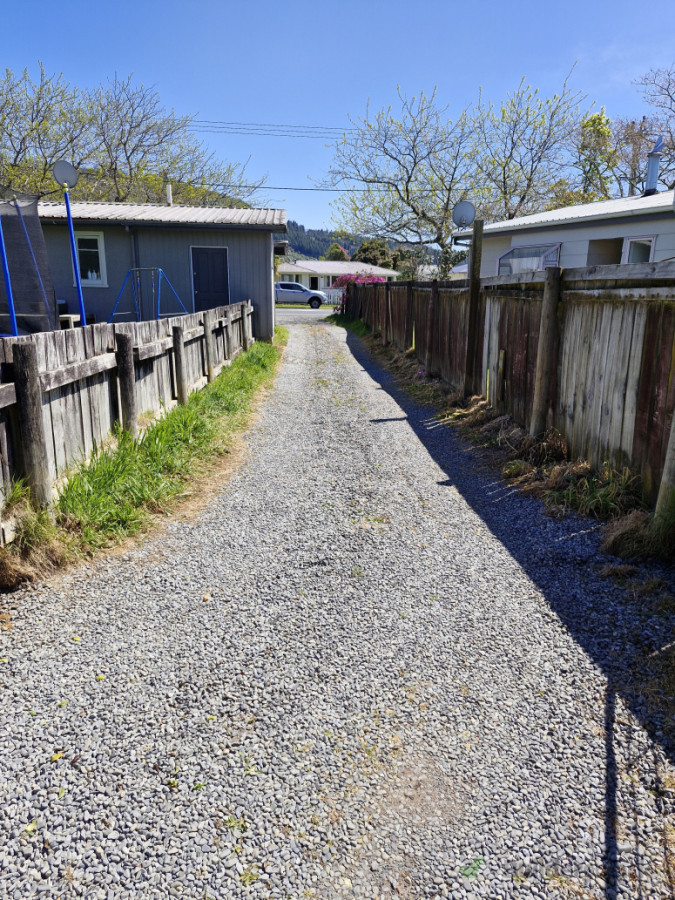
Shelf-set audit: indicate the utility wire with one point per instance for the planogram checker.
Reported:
(268, 129)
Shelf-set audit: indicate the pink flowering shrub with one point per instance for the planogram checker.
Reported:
(344, 280)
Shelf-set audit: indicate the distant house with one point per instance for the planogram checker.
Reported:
(211, 256)
(319, 274)
(606, 232)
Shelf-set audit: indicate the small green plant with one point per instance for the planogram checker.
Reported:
(19, 493)
(236, 824)
(248, 877)
(472, 870)
(357, 572)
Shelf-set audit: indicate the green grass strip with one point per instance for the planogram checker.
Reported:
(114, 495)
(356, 326)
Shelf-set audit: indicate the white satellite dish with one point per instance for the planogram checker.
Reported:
(463, 213)
(65, 173)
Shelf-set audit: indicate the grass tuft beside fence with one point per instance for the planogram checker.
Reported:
(117, 492)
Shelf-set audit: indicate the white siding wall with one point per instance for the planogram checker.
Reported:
(574, 249)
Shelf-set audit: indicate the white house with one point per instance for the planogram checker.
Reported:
(606, 232)
(319, 274)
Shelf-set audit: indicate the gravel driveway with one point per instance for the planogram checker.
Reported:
(367, 669)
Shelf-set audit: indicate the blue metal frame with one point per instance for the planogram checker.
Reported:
(76, 263)
(135, 276)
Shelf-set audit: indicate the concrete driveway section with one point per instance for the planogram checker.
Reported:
(367, 669)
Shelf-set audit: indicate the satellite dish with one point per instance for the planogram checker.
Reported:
(463, 213)
(65, 173)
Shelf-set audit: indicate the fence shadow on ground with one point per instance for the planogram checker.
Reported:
(620, 653)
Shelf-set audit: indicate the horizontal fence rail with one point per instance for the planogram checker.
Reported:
(598, 364)
(62, 392)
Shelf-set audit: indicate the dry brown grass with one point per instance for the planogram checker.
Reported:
(654, 680)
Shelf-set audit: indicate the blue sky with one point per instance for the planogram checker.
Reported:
(315, 63)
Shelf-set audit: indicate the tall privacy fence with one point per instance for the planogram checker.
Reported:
(61, 392)
(589, 351)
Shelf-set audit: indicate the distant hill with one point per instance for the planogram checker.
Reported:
(314, 242)
(311, 243)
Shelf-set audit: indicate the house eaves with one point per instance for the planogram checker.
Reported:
(148, 215)
(657, 206)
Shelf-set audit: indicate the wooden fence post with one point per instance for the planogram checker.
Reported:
(431, 309)
(545, 348)
(29, 405)
(209, 352)
(228, 334)
(386, 331)
(474, 303)
(127, 381)
(408, 339)
(246, 325)
(181, 369)
(667, 487)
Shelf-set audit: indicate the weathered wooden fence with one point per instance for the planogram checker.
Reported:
(602, 356)
(62, 392)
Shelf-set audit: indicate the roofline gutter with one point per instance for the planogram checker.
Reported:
(665, 212)
(184, 226)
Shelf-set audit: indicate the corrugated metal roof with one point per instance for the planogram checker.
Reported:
(586, 212)
(328, 267)
(154, 213)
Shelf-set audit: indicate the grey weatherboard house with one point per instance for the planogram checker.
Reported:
(211, 255)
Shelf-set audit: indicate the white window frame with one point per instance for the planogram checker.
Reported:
(627, 241)
(545, 247)
(101, 282)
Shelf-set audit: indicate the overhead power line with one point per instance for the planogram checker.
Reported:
(269, 129)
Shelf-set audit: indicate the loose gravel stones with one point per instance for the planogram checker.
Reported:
(367, 669)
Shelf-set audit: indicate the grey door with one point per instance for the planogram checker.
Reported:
(210, 277)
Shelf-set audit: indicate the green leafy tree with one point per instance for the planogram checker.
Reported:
(375, 252)
(596, 156)
(336, 253)
(126, 145)
(521, 149)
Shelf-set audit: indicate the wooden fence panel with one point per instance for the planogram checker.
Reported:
(421, 298)
(655, 392)
(597, 377)
(399, 299)
(80, 390)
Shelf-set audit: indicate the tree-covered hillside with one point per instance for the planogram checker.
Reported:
(314, 242)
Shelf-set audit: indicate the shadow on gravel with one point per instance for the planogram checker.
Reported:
(566, 569)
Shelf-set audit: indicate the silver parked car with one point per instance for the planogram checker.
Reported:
(292, 292)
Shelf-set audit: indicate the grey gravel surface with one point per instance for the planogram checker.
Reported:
(367, 669)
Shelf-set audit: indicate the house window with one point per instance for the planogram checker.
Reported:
(528, 259)
(638, 250)
(91, 257)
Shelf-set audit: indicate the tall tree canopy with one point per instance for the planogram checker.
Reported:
(404, 172)
(404, 168)
(124, 142)
(520, 149)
